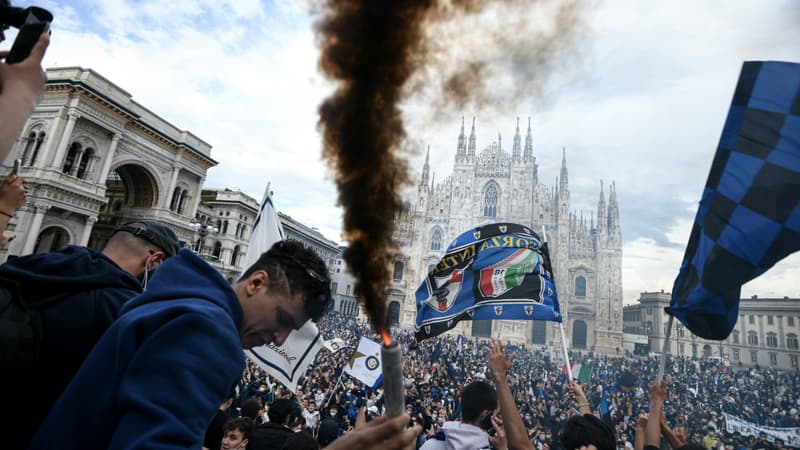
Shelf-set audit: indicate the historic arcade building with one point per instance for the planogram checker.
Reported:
(494, 185)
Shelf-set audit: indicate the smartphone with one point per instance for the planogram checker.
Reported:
(17, 164)
(37, 23)
(486, 424)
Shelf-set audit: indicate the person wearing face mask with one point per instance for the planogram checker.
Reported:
(78, 292)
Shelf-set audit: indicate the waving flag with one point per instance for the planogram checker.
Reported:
(365, 363)
(749, 214)
(288, 362)
(497, 271)
(334, 345)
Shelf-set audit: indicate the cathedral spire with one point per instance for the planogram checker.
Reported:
(515, 152)
(528, 142)
(425, 169)
(564, 186)
(461, 150)
(613, 208)
(601, 209)
(499, 142)
(471, 150)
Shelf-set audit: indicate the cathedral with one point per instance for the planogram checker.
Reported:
(494, 185)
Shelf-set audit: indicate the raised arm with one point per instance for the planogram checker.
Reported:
(516, 434)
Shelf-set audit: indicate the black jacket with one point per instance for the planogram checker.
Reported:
(269, 436)
(87, 291)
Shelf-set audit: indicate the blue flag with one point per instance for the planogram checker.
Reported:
(437, 352)
(604, 407)
(497, 271)
(749, 214)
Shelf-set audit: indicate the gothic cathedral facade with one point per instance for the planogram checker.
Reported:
(495, 186)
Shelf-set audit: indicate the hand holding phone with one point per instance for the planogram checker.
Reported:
(37, 22)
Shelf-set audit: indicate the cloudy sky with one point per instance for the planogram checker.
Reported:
(640, 99)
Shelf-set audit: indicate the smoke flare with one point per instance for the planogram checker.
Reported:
(382, 52)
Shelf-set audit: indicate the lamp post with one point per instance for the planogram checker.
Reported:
(203, 227)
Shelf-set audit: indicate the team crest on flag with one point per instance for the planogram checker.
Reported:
(497, 271)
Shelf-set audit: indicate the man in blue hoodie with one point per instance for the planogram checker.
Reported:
(81, 292)
(157, 376)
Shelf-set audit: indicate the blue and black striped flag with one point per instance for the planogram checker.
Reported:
(749, 214)
(497, 271)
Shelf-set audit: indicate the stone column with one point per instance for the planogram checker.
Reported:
(87, 230)
(63, 143)
(109, 157)
(36, 225)
(73, 171)
(89, 175)
(193, 210)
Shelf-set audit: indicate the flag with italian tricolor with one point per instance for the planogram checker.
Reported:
(580, 371)
(499, 271)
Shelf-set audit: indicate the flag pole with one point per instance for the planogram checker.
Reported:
(664, 350)
(560, 324)
(333, 390)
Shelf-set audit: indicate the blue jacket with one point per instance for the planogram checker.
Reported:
(158, 375)
(84, 291)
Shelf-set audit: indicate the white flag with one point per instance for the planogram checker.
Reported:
(288, 362)
(334, 345)
(365, 363)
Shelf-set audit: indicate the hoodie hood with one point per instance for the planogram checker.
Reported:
(187, 276)
(463, 436)
(66, 272)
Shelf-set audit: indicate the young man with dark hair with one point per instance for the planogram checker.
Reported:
(148, 380)
(478, 403)
(236, 433)
(587, 429)
(75, 293)
(275, 432)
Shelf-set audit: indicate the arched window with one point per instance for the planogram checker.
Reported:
(706, 350)
(490, 200)
(225, 227)
(244, 228)
(436, 240)
(235, 255)
(176, 197)
(580, 286)
(238, 229)
(85, 164)
(72, 156)
(772, 340)
(752, 338)
(791, 341)
(398, 271)
(217, 249)
(32, 146)
(735, 337)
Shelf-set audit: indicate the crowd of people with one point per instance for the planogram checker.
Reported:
(438, 369)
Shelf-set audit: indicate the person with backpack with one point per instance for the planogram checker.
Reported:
(55, 306)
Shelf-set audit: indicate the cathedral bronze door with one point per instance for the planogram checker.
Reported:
(579, 334)
(394, 314)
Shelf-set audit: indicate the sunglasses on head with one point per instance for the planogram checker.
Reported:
(310, 272)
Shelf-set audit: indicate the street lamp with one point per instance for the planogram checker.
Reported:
(203, 227)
